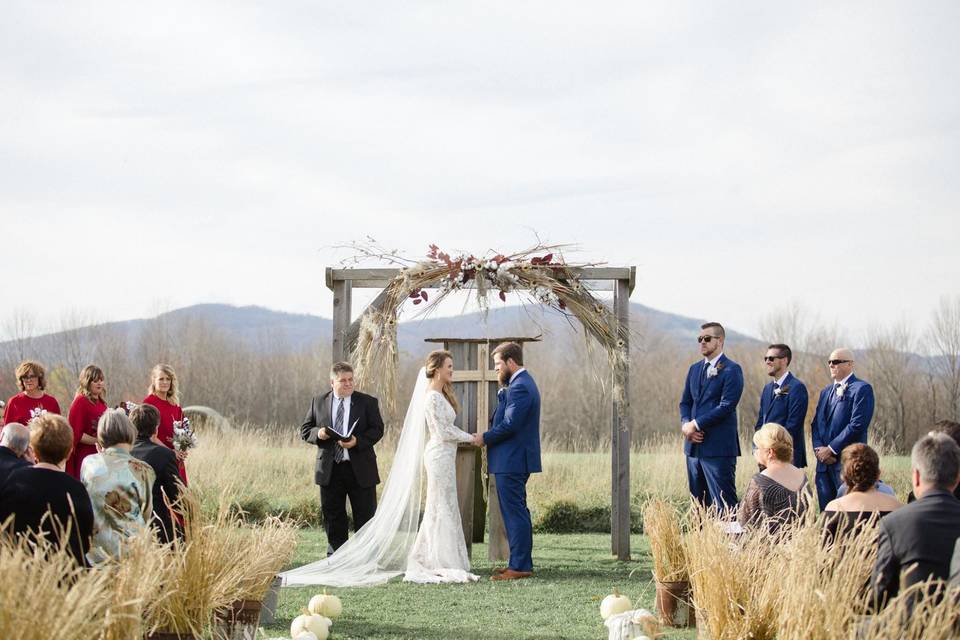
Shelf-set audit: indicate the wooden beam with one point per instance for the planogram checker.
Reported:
(620, 449)
(373, 278)
(341, 319)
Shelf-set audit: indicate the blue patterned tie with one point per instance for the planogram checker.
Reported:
(338, 427)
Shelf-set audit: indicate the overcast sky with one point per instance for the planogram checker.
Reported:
(743, 155)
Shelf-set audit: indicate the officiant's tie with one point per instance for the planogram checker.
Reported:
(338, 427)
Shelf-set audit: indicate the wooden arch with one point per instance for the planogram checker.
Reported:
(620, 280)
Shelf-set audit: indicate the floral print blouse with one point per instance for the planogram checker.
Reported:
(121, 490)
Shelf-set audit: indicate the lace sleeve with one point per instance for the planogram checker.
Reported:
(750, 508)
(440, 420)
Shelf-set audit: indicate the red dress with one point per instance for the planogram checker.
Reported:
(84, 416)
(169, 413)
(19, 407)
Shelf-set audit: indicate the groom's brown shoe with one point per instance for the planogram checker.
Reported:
(510, 574)
(499, 571)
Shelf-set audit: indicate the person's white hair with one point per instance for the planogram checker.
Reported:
(16, 437)
(115, 428)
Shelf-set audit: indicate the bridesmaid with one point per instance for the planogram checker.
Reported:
(165, 396)
(88, 405)
(32, 381)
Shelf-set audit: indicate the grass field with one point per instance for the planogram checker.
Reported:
(573, 573)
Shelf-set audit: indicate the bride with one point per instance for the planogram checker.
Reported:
(392, 543)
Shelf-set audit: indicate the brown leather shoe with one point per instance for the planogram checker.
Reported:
(499, 571)
(510, 574)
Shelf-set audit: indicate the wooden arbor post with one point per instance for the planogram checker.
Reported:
(619, 279)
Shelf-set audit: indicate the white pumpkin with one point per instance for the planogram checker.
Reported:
(326, 605)
(307, 635)
(614, 604)
(315, 624)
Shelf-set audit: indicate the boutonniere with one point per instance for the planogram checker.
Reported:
(842, 389)
(781, 391)
(714, 371)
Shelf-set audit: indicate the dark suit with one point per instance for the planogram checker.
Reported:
(356, 478)
(8, 462)
(837, 423)
(916, 542)
(789, 410)
(712, 402)
(164, 463)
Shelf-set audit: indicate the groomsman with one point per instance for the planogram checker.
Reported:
(708, 420)
(784, 400)
(842, 417)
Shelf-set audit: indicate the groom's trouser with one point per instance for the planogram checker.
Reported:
(333, 504)
(712, 481)
(828, 483)
(512, 492)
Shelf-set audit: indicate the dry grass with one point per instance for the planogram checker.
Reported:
(266, 548)
(44, 594)
(663, 526)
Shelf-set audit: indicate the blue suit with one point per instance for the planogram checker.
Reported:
(788, 410)
(513, 453)
(837, 423)
(712, 402)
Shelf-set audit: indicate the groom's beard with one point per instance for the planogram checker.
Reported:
(504, 377)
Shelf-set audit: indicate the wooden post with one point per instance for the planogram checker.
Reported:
(620, 444)
(342, 290)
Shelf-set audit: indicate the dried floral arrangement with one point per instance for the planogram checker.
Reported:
(540, 272)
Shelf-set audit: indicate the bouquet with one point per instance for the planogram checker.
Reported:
(36, 412)
(183, 436)
(127, 407)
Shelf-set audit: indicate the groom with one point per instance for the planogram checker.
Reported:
(514, 441)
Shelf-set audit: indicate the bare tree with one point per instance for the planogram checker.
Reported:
(891, 369)
(944, 339)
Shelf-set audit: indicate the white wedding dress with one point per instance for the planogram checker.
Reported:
(439, 553)
(392, 543)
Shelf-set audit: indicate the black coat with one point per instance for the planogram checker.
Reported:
(164, 463)
(8, 462)
(365, 412)
(921, 534)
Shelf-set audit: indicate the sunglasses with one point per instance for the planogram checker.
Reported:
(707, 339)
(772, 358)
(833, 363)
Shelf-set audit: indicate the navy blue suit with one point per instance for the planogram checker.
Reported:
(837, 423)
(789, 410)
(513, 453)
(712, 402)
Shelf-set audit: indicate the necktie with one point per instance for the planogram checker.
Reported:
(338, 427)
(703, 372)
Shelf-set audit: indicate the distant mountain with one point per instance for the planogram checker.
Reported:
(265, 330)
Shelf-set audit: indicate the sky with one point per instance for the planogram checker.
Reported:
(744, 156)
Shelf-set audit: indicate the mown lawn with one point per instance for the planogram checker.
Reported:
(573, 573)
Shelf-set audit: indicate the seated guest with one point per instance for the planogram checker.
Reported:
(860, 471)
(32, 492)
(14, 449)
(952, 429)
(917, 542)
(120, 487)
(163, 461)
(778, 494)
(955, 566)
(881, 486)
(31, 401)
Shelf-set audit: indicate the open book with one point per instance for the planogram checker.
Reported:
(342, 437)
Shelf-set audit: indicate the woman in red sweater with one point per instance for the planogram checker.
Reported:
(31, 400)
(165, 396)
(85, 412)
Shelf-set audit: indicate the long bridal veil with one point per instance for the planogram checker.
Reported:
(378, 551)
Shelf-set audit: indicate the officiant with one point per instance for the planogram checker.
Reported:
(344, 425)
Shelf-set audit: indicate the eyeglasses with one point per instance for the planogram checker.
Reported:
(834, 363)
(772, 358)
(707, 339)
(29, 376)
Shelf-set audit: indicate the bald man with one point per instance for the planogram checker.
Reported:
(842, 417)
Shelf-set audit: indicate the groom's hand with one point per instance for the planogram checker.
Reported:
(478, 439)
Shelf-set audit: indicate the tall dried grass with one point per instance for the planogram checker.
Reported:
(662, 522)
(44, 594)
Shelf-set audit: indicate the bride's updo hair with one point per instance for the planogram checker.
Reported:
(435, 360)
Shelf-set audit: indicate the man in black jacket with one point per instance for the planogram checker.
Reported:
(917, 541)
(14, 449)
(344, 425)
(166, 488)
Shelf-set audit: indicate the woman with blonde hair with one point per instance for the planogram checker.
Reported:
(164, 394)
(120, 487)
(779, 494)
(31, 401)
(88, 405)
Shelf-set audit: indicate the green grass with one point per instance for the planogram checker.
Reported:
(573, 573)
